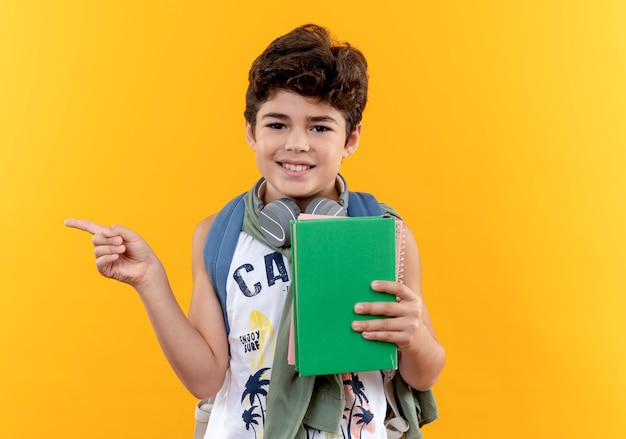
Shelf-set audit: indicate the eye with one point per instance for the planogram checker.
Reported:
(320, 128)
(276, 125)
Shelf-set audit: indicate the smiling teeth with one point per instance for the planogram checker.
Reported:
(296, 168)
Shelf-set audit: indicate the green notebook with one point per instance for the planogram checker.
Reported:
(334, 262)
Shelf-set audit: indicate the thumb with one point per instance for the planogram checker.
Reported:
(116, 230)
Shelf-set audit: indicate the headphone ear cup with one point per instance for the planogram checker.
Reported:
(275, 221)
(324, 206)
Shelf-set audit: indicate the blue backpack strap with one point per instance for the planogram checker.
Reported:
(363, 204)
(220, 245)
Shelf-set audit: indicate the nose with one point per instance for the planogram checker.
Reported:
(297, 141)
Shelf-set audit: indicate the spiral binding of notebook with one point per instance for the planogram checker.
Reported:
(400, 242)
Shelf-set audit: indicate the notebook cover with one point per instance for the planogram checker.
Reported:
(333, 263)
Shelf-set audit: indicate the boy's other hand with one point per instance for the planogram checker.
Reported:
(405, 316)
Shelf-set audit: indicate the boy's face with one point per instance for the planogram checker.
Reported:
(299, 145)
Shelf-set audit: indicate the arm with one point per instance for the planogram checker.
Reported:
(421, 355)
(196, 348)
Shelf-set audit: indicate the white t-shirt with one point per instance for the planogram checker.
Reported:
(257, 285)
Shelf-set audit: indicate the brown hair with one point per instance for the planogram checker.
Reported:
(310, 62)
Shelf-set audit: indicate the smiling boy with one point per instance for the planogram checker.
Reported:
(303, 116)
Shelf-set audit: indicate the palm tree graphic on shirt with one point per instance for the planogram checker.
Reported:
(255, 391)
(365, 416)
(249, 417)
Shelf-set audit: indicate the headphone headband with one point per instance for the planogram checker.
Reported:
(259, 191)
(275, 217)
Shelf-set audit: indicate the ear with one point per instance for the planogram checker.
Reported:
(352, 143)
(250, 136)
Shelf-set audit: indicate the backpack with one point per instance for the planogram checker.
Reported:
(218, 251)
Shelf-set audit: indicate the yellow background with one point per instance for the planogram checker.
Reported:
(496, 127)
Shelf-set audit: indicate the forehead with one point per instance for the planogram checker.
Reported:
(293, 104)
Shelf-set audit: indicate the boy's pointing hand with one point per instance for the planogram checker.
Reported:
(120, 253)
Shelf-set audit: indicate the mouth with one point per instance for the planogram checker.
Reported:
(296, 167)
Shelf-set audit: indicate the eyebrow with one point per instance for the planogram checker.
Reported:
(282, 116)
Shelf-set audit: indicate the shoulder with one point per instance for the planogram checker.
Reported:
(227, 218)
(199, 239)
(203, 227)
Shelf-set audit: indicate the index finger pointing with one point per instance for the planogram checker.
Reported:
(84, 225)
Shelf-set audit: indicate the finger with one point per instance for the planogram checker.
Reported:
(84, 225)
(126, 234)
(100, 239)
(386, 286)
(403, 308)
(377, 325)
(398, 330)
(103, 264)
(401, 291)
(104, 250)
(389, 309)
(400, 339)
